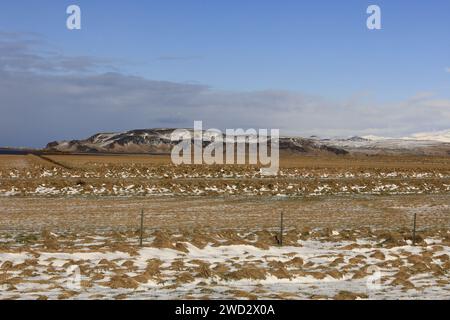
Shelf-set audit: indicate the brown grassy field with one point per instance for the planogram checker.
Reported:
(216, 213)
(380, 191)
(155, 175)
(214, 231)
(286, 161)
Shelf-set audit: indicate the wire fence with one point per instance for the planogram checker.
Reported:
(99, 215)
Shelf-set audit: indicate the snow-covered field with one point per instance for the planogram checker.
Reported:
(69, 229)
(313, 264)
(135, 180)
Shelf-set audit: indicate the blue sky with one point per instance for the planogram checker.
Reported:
(313, 48)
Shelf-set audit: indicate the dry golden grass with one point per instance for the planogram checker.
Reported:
(89, 161)
(105, 224)
(357, 162)
(215, 213)
(19, 162)
(361, 162)
(218, 211)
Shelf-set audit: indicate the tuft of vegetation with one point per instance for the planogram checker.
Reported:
(26, 238)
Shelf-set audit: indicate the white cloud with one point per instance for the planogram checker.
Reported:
(65, 105)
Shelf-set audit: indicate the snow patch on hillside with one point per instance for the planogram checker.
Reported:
(441, 136)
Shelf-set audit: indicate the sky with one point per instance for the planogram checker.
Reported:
(305, 67)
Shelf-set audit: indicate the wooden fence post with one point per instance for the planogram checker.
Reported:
(281, 228)
(142, 229)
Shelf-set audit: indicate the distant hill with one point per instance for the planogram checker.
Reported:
(159, 141)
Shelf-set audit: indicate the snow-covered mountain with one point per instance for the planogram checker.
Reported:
(442, 136)
(135, 141)
(437, 143)
(159, 141)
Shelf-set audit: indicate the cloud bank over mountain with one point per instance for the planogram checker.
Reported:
(46, 95)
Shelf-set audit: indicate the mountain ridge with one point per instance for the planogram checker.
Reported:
(159, 141)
